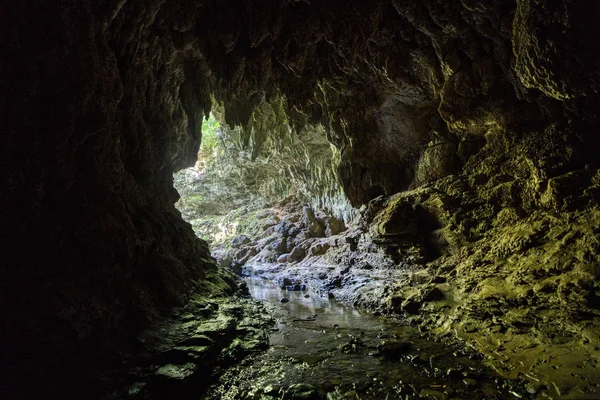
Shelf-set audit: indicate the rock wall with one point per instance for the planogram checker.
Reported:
(102, 101)
(99, 108)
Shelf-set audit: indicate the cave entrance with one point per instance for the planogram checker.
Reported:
(264, 192)
(278, 218)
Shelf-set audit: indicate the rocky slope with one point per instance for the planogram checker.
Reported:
(518, 286)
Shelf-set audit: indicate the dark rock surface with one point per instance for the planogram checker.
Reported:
(519, 290)
(487, 109)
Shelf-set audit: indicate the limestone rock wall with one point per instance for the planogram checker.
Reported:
(98, 109)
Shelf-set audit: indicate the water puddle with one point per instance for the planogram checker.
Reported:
(323, 349)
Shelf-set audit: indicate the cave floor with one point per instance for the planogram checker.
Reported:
(324, 349)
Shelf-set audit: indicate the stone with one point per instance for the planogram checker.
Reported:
(284, 258)
(284, 227)
(411, 305)
(271, 390)
(296, 288)
(470, 382)
(240, 241)
(334, 226)
(303, 391)
(283, 282)
(285, 300)
(433, 294)
(177, 372)
(534, 387)
(315, 227)
(297, 254)
(432, 394)
(319, 249)
(393, 350)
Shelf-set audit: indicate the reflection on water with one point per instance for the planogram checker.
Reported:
(303, 305)
(333, 345)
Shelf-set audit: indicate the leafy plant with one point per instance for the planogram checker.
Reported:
(211, 132)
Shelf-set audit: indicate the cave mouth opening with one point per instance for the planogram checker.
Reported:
(263, 192)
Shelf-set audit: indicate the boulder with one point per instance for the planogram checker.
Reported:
(319, 249)
(240, 241)
(284, 282)
(297, 254)
(279, 246)
(334, 226)
(314, 226)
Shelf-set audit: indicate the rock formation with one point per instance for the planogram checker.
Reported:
(488, 109)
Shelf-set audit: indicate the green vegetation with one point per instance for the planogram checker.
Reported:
(209, 149)
(242, 170)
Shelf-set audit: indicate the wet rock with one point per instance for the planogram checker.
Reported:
(284, 227)
(196, 354)
(303, 391)
(240, 241)
(284, 258)
(334, 226)
(393, 350)
(314, 226)
(454, 373)
(243, 255)
(296, 287)
(177, 372)
(224, 257)
(197, 340)
(328, 386)
(285, 300)
(330, 296)
(279, 246)
(353, 242)
(216, 327)
(534, 387)
(294, 231)
(470, 382)
(432, 394)
(353, 346)
(272, 390)
(284, 282)
(241, 347)
(297, 254)
(412, 305)
(365, 266)
(433, 294)
(270, 223)
(319, 249)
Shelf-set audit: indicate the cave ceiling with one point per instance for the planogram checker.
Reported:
(384, 77)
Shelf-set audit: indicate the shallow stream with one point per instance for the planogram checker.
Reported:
(323, 349)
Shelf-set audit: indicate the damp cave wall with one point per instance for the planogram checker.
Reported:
(102, 102)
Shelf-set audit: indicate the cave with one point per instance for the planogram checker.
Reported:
(430, 163)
